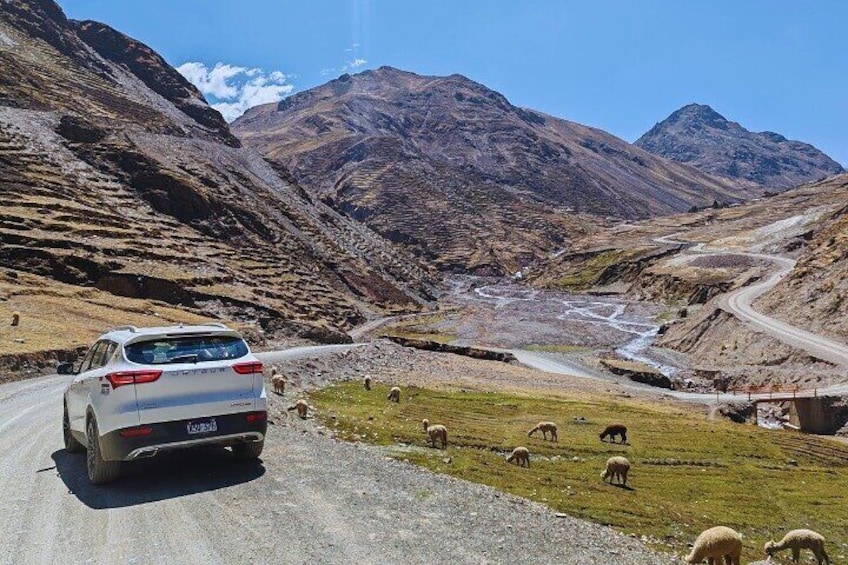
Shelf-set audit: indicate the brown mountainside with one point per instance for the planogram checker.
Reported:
(815, 294)
(699, 136)
(115, 174)
(451, 168)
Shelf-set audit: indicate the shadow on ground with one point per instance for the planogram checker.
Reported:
(170, 475)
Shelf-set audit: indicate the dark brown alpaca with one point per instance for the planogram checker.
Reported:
(615, 430)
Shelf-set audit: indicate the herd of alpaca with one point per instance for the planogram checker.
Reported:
(723, 543)
(713, 545)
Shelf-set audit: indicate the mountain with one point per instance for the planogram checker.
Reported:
(699, 136)
(117, 178)
(452, 169)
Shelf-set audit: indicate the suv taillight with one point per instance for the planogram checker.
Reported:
(248, 368)
(122, 378)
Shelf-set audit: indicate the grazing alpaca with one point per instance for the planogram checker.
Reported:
(796, 540)
(615, 430)
(279, 382)
(302, 408)
(715, 544)
(545, 427)
(521, 456)
(367, 382)
(16, 319)
(394, 394)
(436, 432)
(617, 467)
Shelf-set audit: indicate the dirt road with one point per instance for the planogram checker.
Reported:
(739, 303)
(310, 499)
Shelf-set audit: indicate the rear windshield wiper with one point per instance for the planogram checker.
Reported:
(184, 359)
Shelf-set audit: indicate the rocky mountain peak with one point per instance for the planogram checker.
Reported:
(699, 136)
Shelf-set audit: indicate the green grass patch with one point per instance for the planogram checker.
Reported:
(412, 334)
(559, 348)
(688, 473)
(586, 273)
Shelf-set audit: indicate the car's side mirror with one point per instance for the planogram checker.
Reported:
(65, 369)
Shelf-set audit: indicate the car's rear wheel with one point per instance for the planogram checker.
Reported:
(99, 470)
(71, 443)
(247, 451)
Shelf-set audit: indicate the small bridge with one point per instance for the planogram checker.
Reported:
(808, 411)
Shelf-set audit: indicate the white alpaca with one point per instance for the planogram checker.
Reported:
(394, 394)
(545, 428)
(436, 432)
(716, 544)
(796, 540)
(617, 467)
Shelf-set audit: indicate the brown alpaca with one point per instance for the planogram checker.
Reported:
(367, 382)
(394, 394)
(279, 382)
(16, 319)
(615, 430)
(302, 408)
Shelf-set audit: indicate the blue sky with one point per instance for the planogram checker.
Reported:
(777, 65)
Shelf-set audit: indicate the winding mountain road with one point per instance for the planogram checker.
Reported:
(739, 303)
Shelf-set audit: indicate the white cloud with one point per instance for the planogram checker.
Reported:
(231, 89)
(357, 63)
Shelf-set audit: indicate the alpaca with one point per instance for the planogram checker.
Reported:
(615, 430)
(16, 319)
(274, 371)
(796, 540)
(436, 432)
(302, 408)
(394, 394)
(617, 467)
(715, 544)
(545, 427)
(279, 382)
(521, 456)
(367, 382)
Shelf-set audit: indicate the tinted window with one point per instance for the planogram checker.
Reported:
(96, 351)
(189, 349)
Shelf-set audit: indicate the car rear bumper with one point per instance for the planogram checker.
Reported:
(231, 429)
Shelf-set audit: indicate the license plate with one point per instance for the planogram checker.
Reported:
(204, 427)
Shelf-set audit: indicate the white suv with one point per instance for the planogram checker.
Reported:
(140, 391)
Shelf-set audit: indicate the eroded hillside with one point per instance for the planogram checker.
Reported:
(115, 174)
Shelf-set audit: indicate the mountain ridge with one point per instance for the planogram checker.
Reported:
(698, 135)
(363, 142)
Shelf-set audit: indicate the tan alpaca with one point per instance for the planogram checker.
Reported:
(545, 428)
(521, 456)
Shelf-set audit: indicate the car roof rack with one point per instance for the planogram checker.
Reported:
(131, 329)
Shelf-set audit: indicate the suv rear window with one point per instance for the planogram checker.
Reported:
(187, 349)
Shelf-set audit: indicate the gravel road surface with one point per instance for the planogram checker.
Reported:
(310, 500)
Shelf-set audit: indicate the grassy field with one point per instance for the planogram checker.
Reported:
(688, 473)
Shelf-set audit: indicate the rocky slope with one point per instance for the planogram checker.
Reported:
(452, 169)
(699, 136)
(116, 174)
(815, 294)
